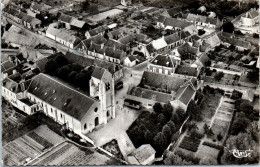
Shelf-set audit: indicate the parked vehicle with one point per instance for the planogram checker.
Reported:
(132, 104)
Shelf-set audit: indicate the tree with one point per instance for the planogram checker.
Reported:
(239, 125)
(161, 119)
(160, 141)
(174, 159)
(148, 136)
(208, 72)
(219, 137)
(253, 75)
(64, 72)
(51, 67)
(236, 95)
(196, 114)
(167, 110)
(194, 134)
(167, 131)
(228, 27)
(93, 9)
(208, 161)
(61, 60)
(85, 4)
(192, 126)
(172, 126)
(206, 128)
(218, 76)
(72, 76)
(209, 132)
(175, 118)
(157, 108)
(255, 35)
(242, 141)
(181, 113)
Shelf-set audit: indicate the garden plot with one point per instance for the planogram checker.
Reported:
(208, 151)
(189, 144)
(104, 15)
(220, 126)
(25, 148)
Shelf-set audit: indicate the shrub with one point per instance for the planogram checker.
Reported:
(213, 145)
(219, 137)
(196, 135)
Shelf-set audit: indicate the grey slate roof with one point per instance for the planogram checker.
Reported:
(61, 96)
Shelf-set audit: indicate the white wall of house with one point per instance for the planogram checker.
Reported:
(129, 63)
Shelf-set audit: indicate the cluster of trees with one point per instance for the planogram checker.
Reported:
(253, 75)
(218, 76)
(210, 90)
(157, 128)
(180, 158)
(236, 95)
(243, 141)
(72, 73)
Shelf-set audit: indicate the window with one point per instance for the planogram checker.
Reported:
(85, 126)
(51, 110)
(61, 115)
(108, 113)
(96, 109)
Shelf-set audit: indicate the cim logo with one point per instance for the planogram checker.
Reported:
(241, 153)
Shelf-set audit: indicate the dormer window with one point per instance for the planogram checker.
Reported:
(65, 104)
(96, 109)
(45, 93)
(55, 98)
(53, 91)
(155, 61)
(35, 88)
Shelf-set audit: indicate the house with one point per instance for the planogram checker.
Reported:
(203, 21)
(73, 109)
(173, 12)
(164, 64)
(187, 49)
(65, 19)
(72, 22)
(14, 93)
(39, 8)
(62, 37)
(212, 40)
(202, 9)
(240, 45)
(155, 87)
(183, 97)
(248, 95)
(171, 23)
(250, 18)
(20, 17)
(130, 61)
(143, 155)
(126, 2)
(96, 31)
(202, 60)
(177, 39)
